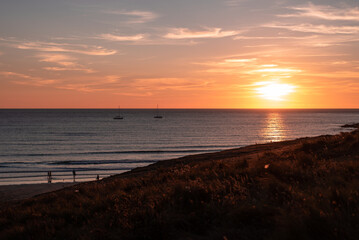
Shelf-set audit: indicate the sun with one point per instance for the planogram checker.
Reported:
(274, 91)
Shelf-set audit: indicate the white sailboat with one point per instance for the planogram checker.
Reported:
(157, 114)
(119, 114)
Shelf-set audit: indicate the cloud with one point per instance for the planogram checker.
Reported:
(339, 62)
(242, 60)
(67, 63)
(87, 70)
(325, 12)
(134, 87)
(136, 16)
(146, 40)
(160, 84)
(13, 74)
(185, 33)
(228, 65)
(120, 38)
(233, 3)
(60, 59)
(84, 84)
(135, 94)
(249, 68)
(273, 37)
(64, 47)
(23, 79)
(163, 42)
(81, 88)
(92, 84)
(276, 70)
(269, 65)
(321, 29)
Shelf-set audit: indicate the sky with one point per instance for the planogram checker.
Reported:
(179, 54)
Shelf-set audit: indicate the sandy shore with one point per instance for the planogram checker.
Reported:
(23, 191)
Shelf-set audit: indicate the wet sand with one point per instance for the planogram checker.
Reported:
(19, 192)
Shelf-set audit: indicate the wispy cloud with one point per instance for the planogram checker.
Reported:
(69, 69)
(134, 87)
(320, 29)
(14, 74)
(81, 84)
(146, 39)
(252, 68)
(67, 63)
(185, 33)
(228, 65)
(23, 79)
(276, 70)
(240, 60)
(60, 59)
(324, 12)
(121, 38)
(136, 16)
(159, 84)
(232, 3)
(276, 37)
(63, 47)
(107, 83)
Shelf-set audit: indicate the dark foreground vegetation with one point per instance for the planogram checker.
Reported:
(302, 189)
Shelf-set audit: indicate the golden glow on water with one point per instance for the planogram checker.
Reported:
(274, 128)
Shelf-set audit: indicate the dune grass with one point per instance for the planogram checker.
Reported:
(302, 189)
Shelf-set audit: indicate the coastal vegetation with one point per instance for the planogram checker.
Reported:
(301, 189)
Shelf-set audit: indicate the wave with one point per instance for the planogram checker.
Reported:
(76, 162)
(109, 152)
(95, 162)
(69, 170)
(214, 147)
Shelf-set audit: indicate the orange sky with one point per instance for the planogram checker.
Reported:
(201, 54)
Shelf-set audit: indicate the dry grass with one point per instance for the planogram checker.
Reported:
(308, 190)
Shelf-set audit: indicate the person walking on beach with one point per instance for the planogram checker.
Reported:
(98, 177)
(74, 174)
(49, 177)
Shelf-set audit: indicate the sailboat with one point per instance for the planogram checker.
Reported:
(119, 114)
(157, 114)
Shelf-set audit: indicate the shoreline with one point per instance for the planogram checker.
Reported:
(10, 193)
(18, 192)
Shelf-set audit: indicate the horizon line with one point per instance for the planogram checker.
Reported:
(181, 108)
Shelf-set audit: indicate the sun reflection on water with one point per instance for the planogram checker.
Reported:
(274, 128)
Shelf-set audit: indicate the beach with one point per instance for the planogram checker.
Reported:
(17, 192)
(24, 191)
(297, 189)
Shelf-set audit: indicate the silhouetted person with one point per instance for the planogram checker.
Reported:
(49, 177)
(74, 174)
(98, 177)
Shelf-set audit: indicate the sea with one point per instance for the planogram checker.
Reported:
(90, 143)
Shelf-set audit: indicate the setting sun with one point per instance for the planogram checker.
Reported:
(275, 91)
(140, 55)
(191, 119)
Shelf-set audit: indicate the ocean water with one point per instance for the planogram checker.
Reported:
(91, 142)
